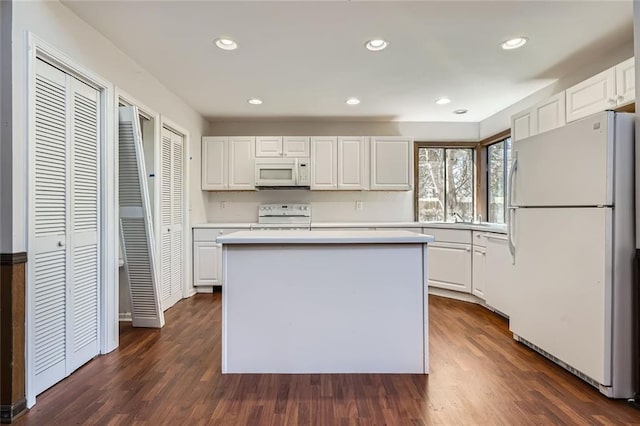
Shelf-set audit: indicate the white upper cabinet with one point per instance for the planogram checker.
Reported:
(523, 124)
(626, 81)
(391, 163)
(541, 117)
(215, 157)
(353, 163)
(592, 95)
(608, 90)
(550, 113)
(269, 146)
(242, 163)
(228, 163)
(278, 146)
(324, 161)
(296, 146)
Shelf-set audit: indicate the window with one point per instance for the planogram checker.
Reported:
(445, 184)
(498, 165)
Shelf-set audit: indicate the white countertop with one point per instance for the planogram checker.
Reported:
(326, 237)
(487, 227)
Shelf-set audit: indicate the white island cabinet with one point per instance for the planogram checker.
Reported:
(325, 302)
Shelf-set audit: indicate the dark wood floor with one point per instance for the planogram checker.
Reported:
(479, 375)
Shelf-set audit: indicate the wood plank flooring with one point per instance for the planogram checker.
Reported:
(479, 376)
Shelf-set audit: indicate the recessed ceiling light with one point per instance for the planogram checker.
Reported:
(255, 101)
(352, 101)
(226, 44)
(443, 101)
(376, 44)
(460, 111)
(514, 43)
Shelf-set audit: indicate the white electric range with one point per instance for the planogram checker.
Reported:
(283, 216)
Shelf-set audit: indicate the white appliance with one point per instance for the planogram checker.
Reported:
(282, 173)
(283, 216)
(571, 235)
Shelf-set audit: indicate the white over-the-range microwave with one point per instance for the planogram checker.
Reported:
(282, 173)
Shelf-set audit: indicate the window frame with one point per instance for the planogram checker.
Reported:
(505, 166)
(445, 145)
(483, 170)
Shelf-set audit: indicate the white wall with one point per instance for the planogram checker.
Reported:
(326, 206)
(583, 70)
(6, 159)
(62, 29)
(636, 38)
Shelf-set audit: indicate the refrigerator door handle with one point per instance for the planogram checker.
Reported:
(510, 208)
(511, 215)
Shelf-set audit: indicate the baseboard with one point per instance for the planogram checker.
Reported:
(125, 316)
(452, 294)
(8, 413)
(204, 289)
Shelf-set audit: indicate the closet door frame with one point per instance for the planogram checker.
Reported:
(187, 289)
(108, 306)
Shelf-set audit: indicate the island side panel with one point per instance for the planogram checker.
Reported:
(319, 308)
(425, 305)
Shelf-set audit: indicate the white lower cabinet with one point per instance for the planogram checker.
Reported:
(450, 266)
(206, 263)
(479, 264)
(479, 271)
(499, 272)
(449, 259)
(207, 256)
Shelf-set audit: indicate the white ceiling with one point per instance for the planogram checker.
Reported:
(303, 59)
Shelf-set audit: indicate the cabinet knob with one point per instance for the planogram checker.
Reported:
(620, 99)
(60, 243)
(612, 102)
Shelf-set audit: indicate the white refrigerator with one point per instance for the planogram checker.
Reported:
(572, 238)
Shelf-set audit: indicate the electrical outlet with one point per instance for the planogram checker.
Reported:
(223, 204)
(358, 205)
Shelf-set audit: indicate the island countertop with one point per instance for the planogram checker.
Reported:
(326, 237)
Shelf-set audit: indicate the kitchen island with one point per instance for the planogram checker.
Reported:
(325, 302)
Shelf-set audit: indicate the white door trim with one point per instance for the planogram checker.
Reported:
(187, 286)
(37, 48)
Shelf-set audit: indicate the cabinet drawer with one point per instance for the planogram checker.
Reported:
(479, 239)
(211, 234)
(461, 236)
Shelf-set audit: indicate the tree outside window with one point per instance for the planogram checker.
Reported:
(445, 184)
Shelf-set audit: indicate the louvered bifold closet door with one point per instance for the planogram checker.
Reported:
(136, 233)
(172, 217)
(84, 266)
(49, 264)
(166, 219)
(177, 262)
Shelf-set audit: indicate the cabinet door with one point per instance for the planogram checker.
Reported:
(592, 95)
(324, 162)
(269, 146)
(499, 274)
(352, 163)
(206, 263)
(449, 266)
(214, 163)
(242, 163)
(479, 272)
(626, 82)
(550, 113)
(391, 163)
(296, 146)
(523, 124)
